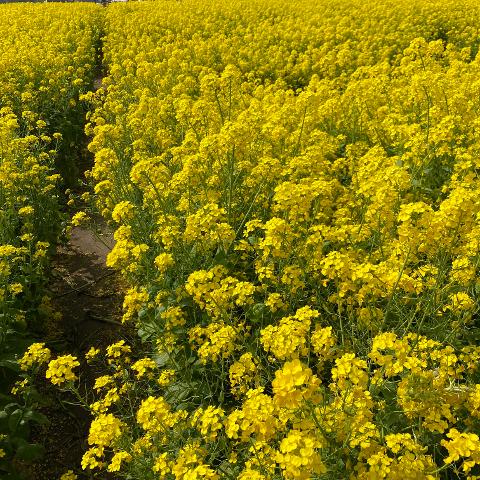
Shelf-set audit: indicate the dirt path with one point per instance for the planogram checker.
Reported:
(89, 296)
(84, 289)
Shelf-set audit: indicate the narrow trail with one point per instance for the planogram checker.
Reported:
(89, 297)
(84, 290)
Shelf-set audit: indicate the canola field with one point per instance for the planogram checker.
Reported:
(295, 194)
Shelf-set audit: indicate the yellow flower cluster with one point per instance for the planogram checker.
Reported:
(154, 415)
(29, 217)
(216, 341)
(208, 421)
(36, 354)
(104, 429)
(60, 370)
(144, 367)
(289, 338)
(295, 424)
(465, 446)
(243, 374)
(118, 351)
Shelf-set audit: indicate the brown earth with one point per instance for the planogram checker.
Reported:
(89, 296)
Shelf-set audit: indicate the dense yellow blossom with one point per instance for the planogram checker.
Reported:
(208, 421)
(154, 415)
(36, 354)
(117, 459)
(243, 373)
(215, 341)
(289, 339)
(92, 458)
(294, 191)
(464, 446)
(104, 430)
(294, 384)
(60, 370)
(144, 367)
(298, 456)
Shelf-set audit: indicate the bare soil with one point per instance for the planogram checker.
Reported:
(89, 296)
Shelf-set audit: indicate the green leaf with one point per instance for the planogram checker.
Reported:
(10, 364)
(14, 420)
(161, 359)
(23, 429)
(144, 334)
(179, 391)
(5, 398)
(257, 312)
(30, 451)
(36, 417)
(9, 408)
(3, 421)
(142, 313)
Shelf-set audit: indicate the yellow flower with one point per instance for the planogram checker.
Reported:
(16, 288)
(294, 384)
(117, 459)
(117, 351)
(102, 381)
(26, 211)
(92, 458)
(298, 456)
(275, 302)
(258, 417)
(144, 367)
(323, 341)
(104, 430)
(79, 218)
(154, 415)
(166, 377)
(208, 228)
(133, 301)
(36, 354)
(215, 341)
(348, 371)
(162, 465)
(289, 339)
(164, 261)
(19, 386)
(465, 446)
(123, 211)
(208, 421)
(92, 354)
(243, 373)
(69, 475)
(60, 370)
(460, 302)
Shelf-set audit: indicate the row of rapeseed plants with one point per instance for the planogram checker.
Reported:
(47, 59)
(295, 193)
